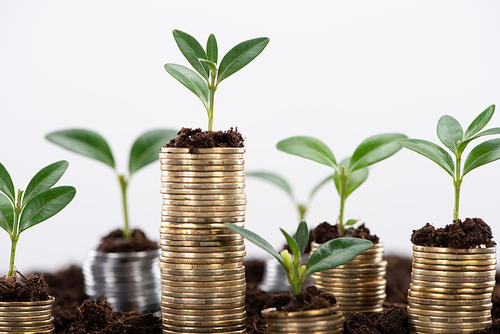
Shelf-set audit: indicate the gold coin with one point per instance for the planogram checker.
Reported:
(448, 302)
(197, 203)
(222, 238)
(203, 317)
(271, 313)
(22, 314)
(196, 232)
(194, 226)
(428, 295)
(484, 313)
(201, 156)
(195, 197)
(201, 290)
(225, 273)
(348, 285)
(205, 295)
(327, 274)
(470, 279)
(201, 162)
(179, 191)
(451, 325)
(193, 302)
(463, 320)
(450, 290)
(41, 308)
(202, 168)
(170, 219)
(197, 244)
(204, 249)
(449, 250)
(362, 309)
(203, 284)
(461, 274)
(363, 265)
(355, 272)
(453, 268)
(204, 185)
(23, 305)
(456, 263)
(185, 214)
(241, 331)
(431, 330)
(202, 255)
(352, 280)
(447, 285)
(203, 182)
(205, 209)
(365, 300)
(203, 323)
(449, 308)
(201, 278)
(211, 329)
(202, 174)
(340, 290)
(362, 294)
(223, 312)
(208, 150)
(456, 257)
(199, 263)
(15, 318)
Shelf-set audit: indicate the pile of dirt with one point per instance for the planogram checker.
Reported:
(19, 288)
(115, 242)
(325, 232)
(311, 298)
(194, 139)
(390, 321)
(398, 278)
(471, 233)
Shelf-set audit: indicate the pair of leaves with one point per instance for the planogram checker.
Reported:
(451, 134)
(298, 244)
(40, 201)
(144, 150)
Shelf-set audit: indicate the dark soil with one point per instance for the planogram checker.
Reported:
(471, 233)
(325, 232)
(390, 321)
(311, 298)
(194, 139)
(116, 243)
(398, 278)
(19, 288)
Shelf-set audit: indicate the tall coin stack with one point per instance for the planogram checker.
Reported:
(451, 289)
(27, 317)
(202, 272)
(358, 285)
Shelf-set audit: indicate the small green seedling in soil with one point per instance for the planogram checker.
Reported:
(451, 134)
(204, 61)
(351, 172)
(144, 151)
(329, 255)
(283, 184)
(37, 203)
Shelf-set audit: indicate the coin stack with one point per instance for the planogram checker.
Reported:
(27, 317)
(358, 285)
(202, 272)
(322, 321)
(451, 289)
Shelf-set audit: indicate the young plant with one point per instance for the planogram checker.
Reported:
(144, 151)
(451, 134)
(329, 255)
(351, 172)
(204, 62)
(38, 202)
(283, 184)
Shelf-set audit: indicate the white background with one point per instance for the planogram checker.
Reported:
(336, 70)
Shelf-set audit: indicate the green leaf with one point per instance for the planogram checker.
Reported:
(309, 148)
(213, 66)
(45, 205)
(6, 184)
(431, 151)
(319, 186)
(6, 214)
(351, 222)
(84, 142)
(239, 56)
(274, 179)
(479, 122)
(44, 179)
(482, 154)
(489, 132)
(450, 132)
(146, 148)
(292, 243)
(192, 50)
(190, 80)
(354, 180)
(375, 149)
(254, 238)
(302, 237)
(336, 252)
(212, 49)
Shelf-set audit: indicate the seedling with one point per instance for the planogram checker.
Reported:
(37, 203)
(451, 134)
(329, 255)
(283, 184)
(351, 172)
(144, 151)
(204, 62)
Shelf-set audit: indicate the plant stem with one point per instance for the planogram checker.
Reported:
(14, 239)
(212, 87)
(343, 196)
(457, 183)
(123, 185)
(295, 282)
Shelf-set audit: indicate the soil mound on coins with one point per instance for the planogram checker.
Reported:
(116, 243)
(194, 139)
(325, 232)
(99, 318)
(390, 321)
(471, 233)
(19, 288)
(311, 298)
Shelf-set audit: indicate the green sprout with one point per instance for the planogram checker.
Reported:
(143, 152)
(451, 134)
(351, 172)
(329, 255)
(284, 185)
(205, 63)
(37, 203)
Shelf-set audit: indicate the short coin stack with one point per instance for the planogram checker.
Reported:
(27, 317)
(451, 289)
(358, 285)
(202, 272)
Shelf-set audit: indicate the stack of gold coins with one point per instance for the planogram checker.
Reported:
(358, 285)
(322, 321)
(202, 272)
(451, 289)
(27, 317)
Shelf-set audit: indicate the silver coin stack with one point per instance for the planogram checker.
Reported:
(358, 285)
(127, 280)
(202, 272)
(27, 317)
(451, 289)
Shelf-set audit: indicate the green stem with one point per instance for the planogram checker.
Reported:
(457, 183)
(343, 196)
(296, 282)
(212, 87)
(14, 239)
(123, 184)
